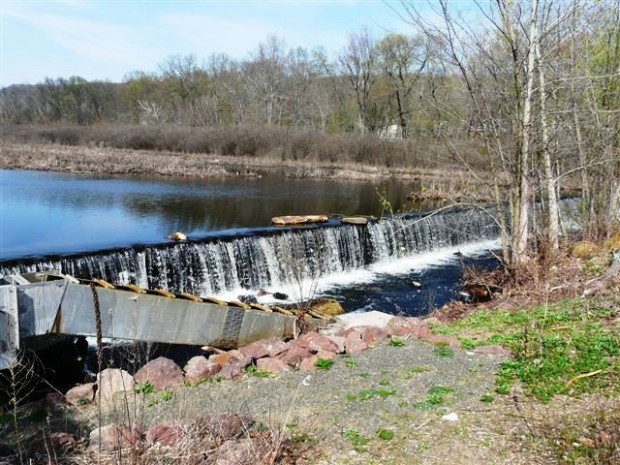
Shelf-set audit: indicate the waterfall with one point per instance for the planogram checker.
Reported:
(272, 257)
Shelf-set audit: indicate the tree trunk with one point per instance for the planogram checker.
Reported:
(553, 231)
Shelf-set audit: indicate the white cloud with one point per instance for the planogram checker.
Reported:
(88, 39)
(206, 34)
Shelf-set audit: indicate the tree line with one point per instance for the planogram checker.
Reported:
(535, 84)
(372, 84)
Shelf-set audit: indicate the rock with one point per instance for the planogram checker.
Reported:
(167, 435)
(226, 426)
(324, 355)
(286, 220)
(372, 318)
(111, 381)
(81, 395)
(325, 307)
(405, 326)
(373, 336)
(294, 355)
(309, 364)
(56, 444)
(314, 342)
(264, 348)
(494, 352)
(354, 342)
(248, 299)
(225, 358)
(280, 296)
(55, 402)
(272, 365)
(162, 373)
(235, 452)
(354, 220)
(338, 340)
(416, 284)
(177, 236)
(198, 368)
(114, 437)
(234, 369)
(451, 417)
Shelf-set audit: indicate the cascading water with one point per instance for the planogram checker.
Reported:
(294, 259)
(273, 258)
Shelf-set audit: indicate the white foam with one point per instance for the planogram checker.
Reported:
(309, 288)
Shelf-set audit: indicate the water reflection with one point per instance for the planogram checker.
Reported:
(52, 213)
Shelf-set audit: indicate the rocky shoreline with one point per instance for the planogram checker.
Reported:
(310, 353)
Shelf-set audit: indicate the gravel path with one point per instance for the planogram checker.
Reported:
(404, 390)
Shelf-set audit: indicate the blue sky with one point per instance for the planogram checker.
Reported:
(105, 40)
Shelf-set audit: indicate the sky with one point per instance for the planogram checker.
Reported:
(107, 40)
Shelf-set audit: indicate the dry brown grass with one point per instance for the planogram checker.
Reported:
(252, 143)
(110, 161)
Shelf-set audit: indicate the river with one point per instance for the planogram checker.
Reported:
(44, 213)
(113, 223)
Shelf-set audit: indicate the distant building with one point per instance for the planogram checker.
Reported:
(393, 131)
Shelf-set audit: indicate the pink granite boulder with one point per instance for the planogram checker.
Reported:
(198, 369)
(162, 373)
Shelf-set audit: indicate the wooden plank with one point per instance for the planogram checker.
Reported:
(192, 297)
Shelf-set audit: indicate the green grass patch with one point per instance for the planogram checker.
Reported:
(324, 364)
(411, 372)
(251, 370)
(350, 363)
(435, 396)
(396, 341)
(144, 388)
(385, 434)
(355, 438)
(443, 351)
(367, 394)
(566, 348)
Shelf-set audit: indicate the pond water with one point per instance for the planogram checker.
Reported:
(43, 213)
(47, 215)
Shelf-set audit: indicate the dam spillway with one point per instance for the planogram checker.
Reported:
(271, 257)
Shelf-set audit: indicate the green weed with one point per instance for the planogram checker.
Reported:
(385, 434)
(435, 396)
(414, 371)
(144, 388)
(564, 348)
(251, 370)
(324, 364)
(355, 438)
(367, 394)
(443, 351)
(396, 342)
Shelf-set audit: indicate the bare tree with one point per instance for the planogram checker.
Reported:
(358, 64)
(402, 59)
(264, 77)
